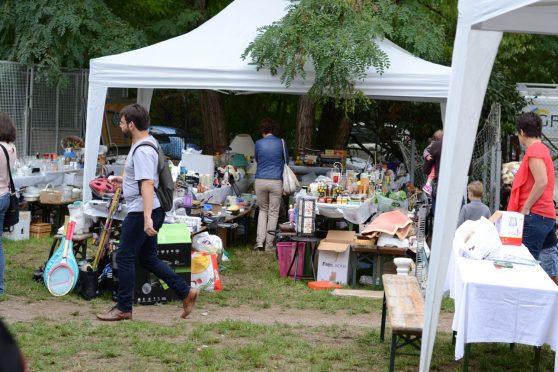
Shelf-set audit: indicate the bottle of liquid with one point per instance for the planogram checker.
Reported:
(291, 215)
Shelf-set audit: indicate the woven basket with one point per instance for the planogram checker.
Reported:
(40, 229)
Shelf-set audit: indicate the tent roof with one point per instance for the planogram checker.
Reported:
(209, 58)
(529, 16)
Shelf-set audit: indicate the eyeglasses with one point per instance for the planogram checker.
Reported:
(123, 123)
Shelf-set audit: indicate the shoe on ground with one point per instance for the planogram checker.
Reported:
(114, 314)
(258, 248)
(427, 189)
(189, 302)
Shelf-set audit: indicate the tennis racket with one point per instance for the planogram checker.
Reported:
(61, 276)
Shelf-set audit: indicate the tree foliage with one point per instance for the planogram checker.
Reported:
(339, 39)
(55, 33)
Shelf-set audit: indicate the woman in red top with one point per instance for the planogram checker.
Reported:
(533, 186)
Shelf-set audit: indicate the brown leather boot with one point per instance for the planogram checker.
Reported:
(189, 302)
(114, 314)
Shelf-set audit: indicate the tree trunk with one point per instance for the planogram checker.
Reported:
(304, 124)
(344, 131)
(335, 128)
(326, 129)
(213, 118)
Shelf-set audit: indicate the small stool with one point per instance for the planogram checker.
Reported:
(79, 245)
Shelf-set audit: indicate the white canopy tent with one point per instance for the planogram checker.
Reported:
(209, 58)
(479, 32)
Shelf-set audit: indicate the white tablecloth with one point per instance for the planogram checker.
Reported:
(55, 178)
(516, 305)
(357, 214)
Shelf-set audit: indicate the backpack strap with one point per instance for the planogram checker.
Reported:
(147, 143)
(12, 186)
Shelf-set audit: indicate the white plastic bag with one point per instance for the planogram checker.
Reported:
(476, 239)
(77, 214)
(205, 242)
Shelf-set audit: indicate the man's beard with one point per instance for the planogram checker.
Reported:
(126, 133)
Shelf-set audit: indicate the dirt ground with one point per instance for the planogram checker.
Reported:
(11, 310)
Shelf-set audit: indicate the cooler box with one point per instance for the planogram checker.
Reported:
(20, 231)
(175, 248)
(285, 252)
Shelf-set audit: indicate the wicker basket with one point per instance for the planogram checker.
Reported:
(40, 229)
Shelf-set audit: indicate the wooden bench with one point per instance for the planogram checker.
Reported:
(403, 298)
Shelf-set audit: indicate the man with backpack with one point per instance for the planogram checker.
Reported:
(138, 237)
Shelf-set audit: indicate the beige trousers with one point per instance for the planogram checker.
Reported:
(268, 194)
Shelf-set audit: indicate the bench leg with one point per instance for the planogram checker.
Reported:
(354, 262)
(392, 352)
(383, 325)
(466, 357)
(537, 359)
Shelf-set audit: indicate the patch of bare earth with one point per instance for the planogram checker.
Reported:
(16, 309)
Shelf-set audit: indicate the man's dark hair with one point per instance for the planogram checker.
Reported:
(530, 123)
(268, 125)
(7, 128)
(138, 114)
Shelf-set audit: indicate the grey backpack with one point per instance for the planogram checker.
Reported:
(165, 191)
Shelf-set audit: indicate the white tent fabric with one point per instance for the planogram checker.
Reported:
(209, 58)
(479, 31)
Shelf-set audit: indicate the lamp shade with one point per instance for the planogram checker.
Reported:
(243, 144)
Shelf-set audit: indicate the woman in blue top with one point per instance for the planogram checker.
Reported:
(269, 181)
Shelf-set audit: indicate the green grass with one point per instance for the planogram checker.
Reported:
(228, 345)
(251, 281)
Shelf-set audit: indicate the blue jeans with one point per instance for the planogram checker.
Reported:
(4, 204)
(134, 242)
(536, 230)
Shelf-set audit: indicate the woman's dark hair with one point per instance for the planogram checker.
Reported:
(268, 125)
(136, 113)
(530, 123)
(7, 128)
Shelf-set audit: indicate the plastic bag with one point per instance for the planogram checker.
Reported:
(205, 272)
(477, 239)
(204, 242)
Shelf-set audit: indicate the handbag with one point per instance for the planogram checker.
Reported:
(290, 182)
(11, 217)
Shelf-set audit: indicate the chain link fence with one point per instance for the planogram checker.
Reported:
(43, 113)
(486, 162)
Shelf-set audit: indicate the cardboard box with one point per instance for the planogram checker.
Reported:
(175, 248)
(20, 231)
(509, 226)
(333, 257)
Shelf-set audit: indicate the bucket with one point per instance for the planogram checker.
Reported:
(285, 252)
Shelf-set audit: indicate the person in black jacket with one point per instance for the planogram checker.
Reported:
(11, 359)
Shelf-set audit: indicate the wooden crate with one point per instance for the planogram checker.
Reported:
(40, 229)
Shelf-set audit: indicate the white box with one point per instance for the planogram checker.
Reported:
(20, 231)
(202, 164)
(509, 226)
(333, 258)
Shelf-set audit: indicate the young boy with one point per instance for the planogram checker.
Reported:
(428, 158)
(475, 209)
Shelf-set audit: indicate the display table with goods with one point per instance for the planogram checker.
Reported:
(509, 302)
(356, 197)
